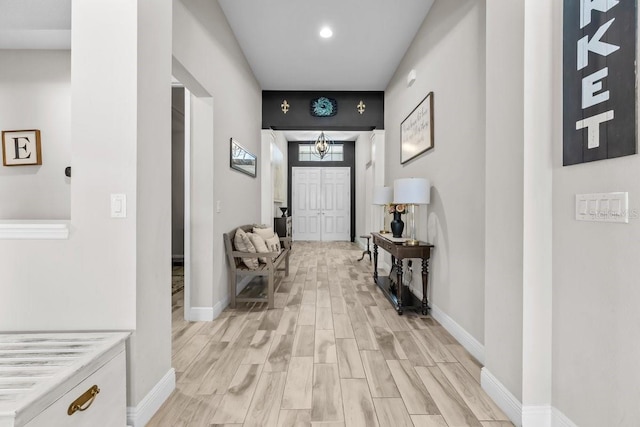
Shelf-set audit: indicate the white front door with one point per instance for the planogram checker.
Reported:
(321, 204)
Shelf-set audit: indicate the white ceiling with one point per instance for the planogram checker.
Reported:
(279, 37)
(281, 42)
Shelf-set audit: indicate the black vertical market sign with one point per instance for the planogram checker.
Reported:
(599, 81)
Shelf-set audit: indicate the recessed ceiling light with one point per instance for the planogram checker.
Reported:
(326, 32)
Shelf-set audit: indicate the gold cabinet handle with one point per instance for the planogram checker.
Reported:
(84, 401)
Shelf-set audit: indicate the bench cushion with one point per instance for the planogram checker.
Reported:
(242, 243)
(273, 244)
(260, 245)
(265, 233)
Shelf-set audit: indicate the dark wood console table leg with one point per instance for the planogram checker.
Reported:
(425, 287)
(399, 267)
(375, 263)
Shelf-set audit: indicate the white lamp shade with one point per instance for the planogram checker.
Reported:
(412, 191)
(382, 195)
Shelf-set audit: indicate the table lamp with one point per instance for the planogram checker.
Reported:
(383, 196)
(412, 192)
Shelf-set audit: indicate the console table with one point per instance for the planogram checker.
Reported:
(393, 288)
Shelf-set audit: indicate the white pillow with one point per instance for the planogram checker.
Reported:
(260, 245)
(265, 233)
(242, 242)
(273, 244)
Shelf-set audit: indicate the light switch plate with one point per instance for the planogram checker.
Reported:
(603, 207)
(118, 206)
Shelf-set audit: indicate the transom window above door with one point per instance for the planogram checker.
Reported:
(306, 153)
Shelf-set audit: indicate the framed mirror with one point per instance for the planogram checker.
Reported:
(242, 160)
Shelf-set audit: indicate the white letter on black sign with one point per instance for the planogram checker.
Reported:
(592, 84)
(594, 45)
(593, 126)
(586, 6)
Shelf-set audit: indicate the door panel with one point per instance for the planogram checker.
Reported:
(336, 212)
(306, 199)
(322, 197)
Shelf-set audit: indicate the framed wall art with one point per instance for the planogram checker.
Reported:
(416, 131)
(242, 160)
(599, 80)
(21, 148)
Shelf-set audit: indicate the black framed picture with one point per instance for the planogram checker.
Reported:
(416, 131)
(242, 160)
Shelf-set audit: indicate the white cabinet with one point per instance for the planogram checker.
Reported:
(43, 375)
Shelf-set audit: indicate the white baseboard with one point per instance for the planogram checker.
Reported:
(506, 401)
(558, 419)
(139, 416)
(219, 307)
(200, 314)
(467, 340)
(522, 416)
(536, 416)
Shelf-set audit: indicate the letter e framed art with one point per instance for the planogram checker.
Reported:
(21, 148)
(599, 80)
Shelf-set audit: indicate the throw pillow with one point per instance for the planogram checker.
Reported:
(273, 244)
(265, 233)
(260, 245)
(243, 243)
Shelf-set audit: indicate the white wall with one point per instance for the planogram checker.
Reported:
(204, 45)
(49, 285)
(150, 347)
(283, 145)
(271, 140)
(448, 56)
(363, 209)
(504, 192)
(595, 286)
(35, 93)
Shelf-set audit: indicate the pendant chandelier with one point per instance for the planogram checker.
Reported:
(322, 147)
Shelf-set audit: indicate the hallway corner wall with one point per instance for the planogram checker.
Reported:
(448, 55)
(504, 192)
(595, 284)
(204, 44)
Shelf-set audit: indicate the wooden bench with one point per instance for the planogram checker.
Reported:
(238, 270)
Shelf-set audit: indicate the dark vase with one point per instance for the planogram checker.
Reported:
(397, 225)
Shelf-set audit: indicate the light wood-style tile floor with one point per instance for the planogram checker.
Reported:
(332, 353)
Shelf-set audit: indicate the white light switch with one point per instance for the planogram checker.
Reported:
(603, 207)
(218, 206)
(118, 206)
